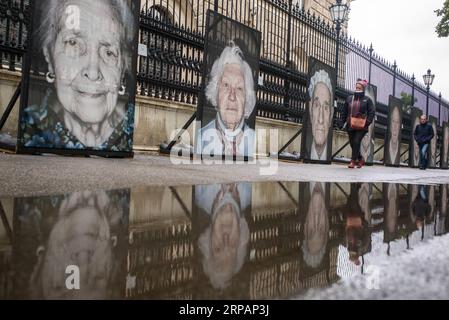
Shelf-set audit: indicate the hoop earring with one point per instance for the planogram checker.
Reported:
(122, 90)
(50, 77)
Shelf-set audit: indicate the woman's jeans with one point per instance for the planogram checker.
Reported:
(423, 155)
(355, 140)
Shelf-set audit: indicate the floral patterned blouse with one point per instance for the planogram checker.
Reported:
(42, 128)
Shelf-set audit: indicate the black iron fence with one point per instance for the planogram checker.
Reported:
(173, 31)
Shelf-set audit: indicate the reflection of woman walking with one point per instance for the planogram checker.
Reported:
(357, 115)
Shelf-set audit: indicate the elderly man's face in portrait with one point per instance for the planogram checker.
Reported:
(395, 124)
(321, 113)
(87, 60)
(231, 96)
(316, 226)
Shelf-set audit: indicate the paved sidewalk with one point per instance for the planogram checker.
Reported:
(39, 175)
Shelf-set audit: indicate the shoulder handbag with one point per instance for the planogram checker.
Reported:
(356, 123)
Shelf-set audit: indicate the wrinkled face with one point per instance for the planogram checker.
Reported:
(79, 239)
(316, 228)
(395, 124)
(87, 60)
(321, 113)
(225, 238)
(231, 95)
(446, 143)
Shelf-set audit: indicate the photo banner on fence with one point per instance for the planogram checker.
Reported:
(444, 153)
(413, 158)
(316, 145)
(79, 81)
(226, 114)
(433, 144)
(392, 149)
(221, 215)
(367, 147)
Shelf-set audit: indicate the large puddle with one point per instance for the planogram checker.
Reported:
(224, 241)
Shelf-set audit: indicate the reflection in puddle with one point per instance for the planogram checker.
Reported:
(223, 241)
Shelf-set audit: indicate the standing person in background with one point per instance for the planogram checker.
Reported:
(357, 116)
(423, 135)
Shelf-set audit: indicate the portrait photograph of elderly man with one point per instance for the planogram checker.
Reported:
(82, 79)
(225, 125)
(392, 148)
(318, 119)
(445, 147)
(415, 116)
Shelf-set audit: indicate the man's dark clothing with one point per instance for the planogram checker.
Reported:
(423, 136)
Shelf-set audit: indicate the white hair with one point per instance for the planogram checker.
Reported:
(320, 76)
(232, 54)
(312, 260)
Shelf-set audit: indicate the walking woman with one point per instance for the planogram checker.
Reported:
(357, 116)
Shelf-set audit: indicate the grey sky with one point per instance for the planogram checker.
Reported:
(404, 30)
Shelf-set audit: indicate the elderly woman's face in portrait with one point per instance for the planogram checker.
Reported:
(416, 147)
(81, 237)
(87, 61)
(434, 144)
(231, 95)
(320, 113)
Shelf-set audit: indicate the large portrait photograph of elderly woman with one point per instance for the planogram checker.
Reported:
(226, 113)
(433, 144)
(316, 143)
(392, 149)
(413, 161)
(79, 89)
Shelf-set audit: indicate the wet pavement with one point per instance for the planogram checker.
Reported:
(261, 240)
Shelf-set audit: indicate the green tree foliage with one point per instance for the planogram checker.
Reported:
(442, 28)
(407, 99)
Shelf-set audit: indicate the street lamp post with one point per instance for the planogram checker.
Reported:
(428, 80)
(339, 13)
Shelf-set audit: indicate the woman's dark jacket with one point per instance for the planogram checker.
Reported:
(423, 133)
(364, 109)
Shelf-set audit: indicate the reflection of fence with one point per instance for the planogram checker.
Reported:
(5, 274)
(173, 30)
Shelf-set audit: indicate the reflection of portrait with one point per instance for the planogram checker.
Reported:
(87, 51)
(395, 128)
(316, 227)
(224, 243)
(391, 209)
(81, 236)
(421, 207)
(231, 92)
(321, 113)
(357, 215)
